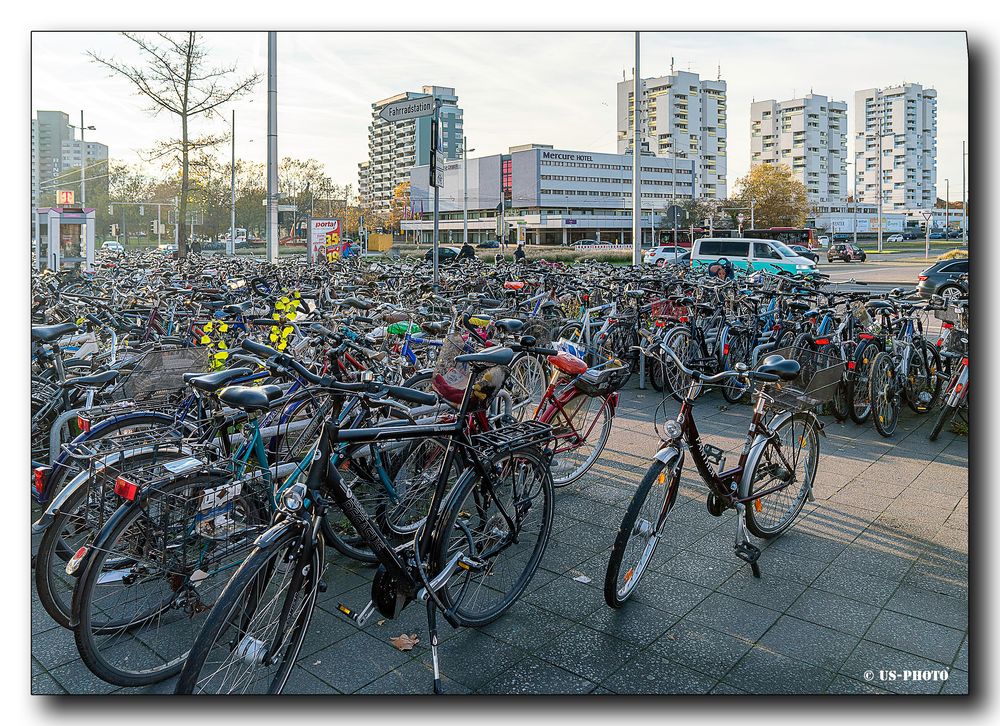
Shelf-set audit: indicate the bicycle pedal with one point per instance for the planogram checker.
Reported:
(747, 552)
(359, 618)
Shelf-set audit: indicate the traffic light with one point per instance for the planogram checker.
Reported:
(111, 230)
(152, 227)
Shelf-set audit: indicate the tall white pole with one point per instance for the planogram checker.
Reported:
(83, 164)
(272, 146)
(753, 209)
(881, 191)
(636, 168)
(465, 196)
(854, 220)
(231, 245)
(965, 233)
(947, 207)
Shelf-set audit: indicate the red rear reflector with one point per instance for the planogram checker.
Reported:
(125, 488)
(958, 388)
(850, 365)
(965, 361)
(725, 349)
(947, 326)
(822, 341)
(41, 475)
(74, 562)
(83, 424)
(866, 336)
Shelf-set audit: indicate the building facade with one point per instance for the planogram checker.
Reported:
(808, 135)
(683, 117)
(394, 148)
(550, 195)
(901, 122)
(54, 151)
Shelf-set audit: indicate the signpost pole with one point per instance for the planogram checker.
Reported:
(272, 147)
(636, 164)
(435, 120)
(231, 244)
(927, 234)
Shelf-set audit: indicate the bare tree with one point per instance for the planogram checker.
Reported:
(174, 75)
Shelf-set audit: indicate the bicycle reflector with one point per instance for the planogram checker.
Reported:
(126, 489)
(41, 477)
(822, 341)
(74, 562)
(83, 424)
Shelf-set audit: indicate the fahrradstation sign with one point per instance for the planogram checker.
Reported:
(403, 110)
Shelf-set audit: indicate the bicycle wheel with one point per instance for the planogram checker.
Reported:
(840, 403)
(922, 388)
(944, 416)
(253, 635)
(154, 570)
(361, 473)
(580, 439)
(506, 524)
(736, 350)
(682, 343)
(526, 384)
(885, 394)
(74, 525)
(401, 511)
(787, 460)
(639, 533)
(858, 390)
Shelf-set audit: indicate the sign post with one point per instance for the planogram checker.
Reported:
(740, 218)
(927, 233)
(418, 108)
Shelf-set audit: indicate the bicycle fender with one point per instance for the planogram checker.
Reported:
(667, 454)
(271, 534)
(757, 446)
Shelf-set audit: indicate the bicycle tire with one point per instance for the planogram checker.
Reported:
(256, 572)
(603, 434)
(925, 379)
(857, 387)
(885, 394)
(775, 466)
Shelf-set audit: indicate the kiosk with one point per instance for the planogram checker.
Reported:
(64, 238)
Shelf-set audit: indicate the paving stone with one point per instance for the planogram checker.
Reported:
(772, 592)
(668, 593)
(932, 606)
(862, 557)
(833, 611)
(697, 568)
(780, 564)
(700, 647)
(736, 617)
(588, 653)
(54, 648)
(910, 635)
(856, 585)
(44, 684)
(535, 676)
(355, 661)
(761, 671)
(77, 679)
(809, 642)
(301, 683)
(634, 622)
(649, 672)
(847, 686)
(872, 658)
(957, 683)
(568, 598)
(473, 657)
(528, 627)
(962, 659)
(724, 689)
(413, 678)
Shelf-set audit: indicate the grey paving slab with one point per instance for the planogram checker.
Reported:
(809, 642)
(535, 676)
(736, 617)
(833, 611)
(702, 648)
(650, 672)
(932, 606)
(588, 653)
(919, 637)
(763, 671)
(873, 663)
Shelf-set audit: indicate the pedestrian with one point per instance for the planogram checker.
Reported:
(519, 253)
(466, 253)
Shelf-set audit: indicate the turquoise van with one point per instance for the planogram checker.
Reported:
(749, 255)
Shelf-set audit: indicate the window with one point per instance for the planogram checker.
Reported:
(764, 251)
(733, 248)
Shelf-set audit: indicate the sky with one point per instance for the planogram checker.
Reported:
(515, 88)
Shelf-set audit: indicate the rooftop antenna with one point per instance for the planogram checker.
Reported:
(671, 65)
(718, 75)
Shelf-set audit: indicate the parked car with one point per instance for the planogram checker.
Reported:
(894, 238)
(445, 254)
(489, 244)
(937, 235)
(749, 254)
(823, 241)
(167, 247)
(213, 246)
(955, 234)
(846, 252)
(947, 278)
(804, 252)
(585, 243)
(112, 246)
(912, 234)
(663, 254)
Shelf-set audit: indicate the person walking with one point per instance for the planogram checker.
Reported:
(466, 253)
(519, 253)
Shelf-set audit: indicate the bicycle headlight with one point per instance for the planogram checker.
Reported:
(293, 497)
(672, 429)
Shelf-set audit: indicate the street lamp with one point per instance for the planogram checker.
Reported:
(83, 159)
(465, 202)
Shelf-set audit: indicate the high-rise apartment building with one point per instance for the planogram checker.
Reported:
(901, 122)
(54, 151)
(396, 147)
(809, 135)
(683, 117)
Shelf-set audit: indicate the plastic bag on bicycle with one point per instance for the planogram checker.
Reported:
(602, 381)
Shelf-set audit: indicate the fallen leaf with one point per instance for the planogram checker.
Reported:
(671, 636)
(405, 642)
(381, 622)
(582, 578)
(317, 663)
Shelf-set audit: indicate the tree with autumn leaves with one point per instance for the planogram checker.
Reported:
(779, 198)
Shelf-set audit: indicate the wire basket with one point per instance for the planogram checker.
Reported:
(451, 378)
(821, 370)
(602, 381)
(861, 316)
(161, 373)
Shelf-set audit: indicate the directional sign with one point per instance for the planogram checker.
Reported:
(403, 110)
(439, 169)
(676, 215)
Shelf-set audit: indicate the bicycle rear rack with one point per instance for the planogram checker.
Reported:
(514, 438)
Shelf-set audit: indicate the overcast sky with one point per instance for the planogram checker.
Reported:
(515, 88)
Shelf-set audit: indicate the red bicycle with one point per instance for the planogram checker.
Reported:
(579, 403)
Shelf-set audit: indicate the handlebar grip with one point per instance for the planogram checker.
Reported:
(321, 329)
(264, 351)
(420, 398)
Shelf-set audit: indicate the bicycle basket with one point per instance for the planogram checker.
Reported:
(451, 378)
(161, 372)
(861, 315)
(602, 381)
(821, 371)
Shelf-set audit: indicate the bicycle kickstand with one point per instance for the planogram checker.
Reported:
(744, 549)
(432, 630)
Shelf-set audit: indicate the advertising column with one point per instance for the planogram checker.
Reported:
(324, 239)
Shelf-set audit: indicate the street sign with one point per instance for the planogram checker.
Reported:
(407, 109)
(439, 169)
(65, 198)
(676, 215)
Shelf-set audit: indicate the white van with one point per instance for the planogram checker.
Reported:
(749, 254)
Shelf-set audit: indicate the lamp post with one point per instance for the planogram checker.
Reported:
(965, 233)
(947, 208)
(83, 160)
(465, 195)
(231, 243)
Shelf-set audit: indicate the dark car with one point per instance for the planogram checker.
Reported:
(845, 252)
(445, 254)
(490, 244)
(910, 234)
(937, 235)
(945, 278)
(805, 252)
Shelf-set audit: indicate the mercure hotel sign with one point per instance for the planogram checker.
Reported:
(562, 156)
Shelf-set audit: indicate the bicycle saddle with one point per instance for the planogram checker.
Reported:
(250, 398)
(98, 379)
(48, 333)
(210, 382)
(495, 356)
(434, 327)
(509, 325)
(785, 368)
